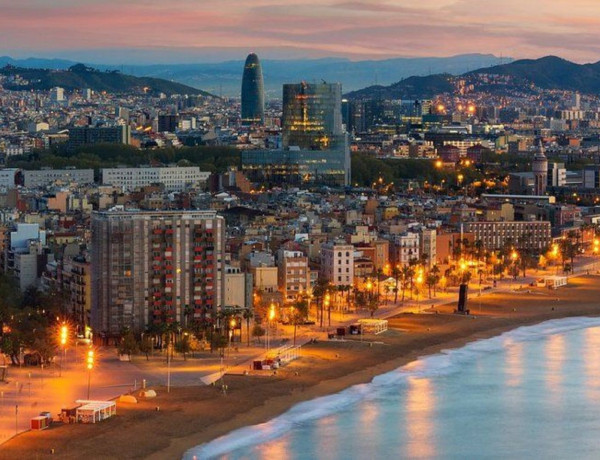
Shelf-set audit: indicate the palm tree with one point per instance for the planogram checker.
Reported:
(407, 276)
(435, 271)
(396, 274)
(320, 290)
(299, 313)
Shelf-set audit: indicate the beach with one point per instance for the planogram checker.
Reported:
(190, 416)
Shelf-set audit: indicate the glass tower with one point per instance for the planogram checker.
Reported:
(315, 146)
(253, 92)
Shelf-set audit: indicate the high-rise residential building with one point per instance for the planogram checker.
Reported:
(315, 146)
(253, 92)
(151, 268)
(293, 274)
(540, 171)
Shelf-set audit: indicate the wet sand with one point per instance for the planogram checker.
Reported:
(190, 416)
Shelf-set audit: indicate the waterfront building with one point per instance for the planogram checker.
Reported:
(535, 236)
(151, 268)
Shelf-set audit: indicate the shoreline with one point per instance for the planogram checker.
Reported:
(364, 376)
(324, 368)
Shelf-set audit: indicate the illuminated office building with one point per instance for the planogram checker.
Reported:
(315, 146)
(253, 92)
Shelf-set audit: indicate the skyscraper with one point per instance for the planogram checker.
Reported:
(155, 267)
(253, 92)
(312, 115)
(315, 146)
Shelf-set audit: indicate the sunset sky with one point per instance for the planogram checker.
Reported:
(110, 31)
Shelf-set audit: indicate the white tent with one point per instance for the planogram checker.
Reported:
(95, 411)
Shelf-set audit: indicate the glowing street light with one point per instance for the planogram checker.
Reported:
(419, 282)
(90, 366)
(271, 317)
(64, 333)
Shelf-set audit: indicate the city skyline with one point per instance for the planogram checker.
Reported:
(153, 32)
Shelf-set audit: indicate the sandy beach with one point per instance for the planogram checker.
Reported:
(193, 415)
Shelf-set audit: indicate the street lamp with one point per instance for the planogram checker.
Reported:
(419, 282)
(554, 255)
(514, 256)
(271, 317)
(90, 366)
(232, 325)
(64, 331)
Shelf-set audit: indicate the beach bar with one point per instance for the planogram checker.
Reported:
(373, 326)
(95, 411)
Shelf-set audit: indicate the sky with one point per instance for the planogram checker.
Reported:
(161, 31)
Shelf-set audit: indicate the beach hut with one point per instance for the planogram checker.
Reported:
(373, 326)
(554, 282)
(95, 411)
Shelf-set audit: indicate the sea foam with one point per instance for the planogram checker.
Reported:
(440, 364)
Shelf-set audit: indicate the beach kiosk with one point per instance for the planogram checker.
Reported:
(373, 326)
(554, 282)
(95, 411)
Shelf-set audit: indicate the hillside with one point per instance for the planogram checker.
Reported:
(80, 76)
(551, 72)
(523, 76)
(409, 88)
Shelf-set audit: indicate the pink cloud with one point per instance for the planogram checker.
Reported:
(355, 28)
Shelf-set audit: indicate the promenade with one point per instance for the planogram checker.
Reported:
(30, 390)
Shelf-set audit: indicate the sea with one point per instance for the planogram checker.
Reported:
(533, 392)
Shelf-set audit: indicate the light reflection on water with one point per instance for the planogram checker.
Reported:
(538, 398)
(420, 403)
(592, 364)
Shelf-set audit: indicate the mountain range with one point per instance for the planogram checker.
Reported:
(80, 76)
(225, 78)
(525, 75)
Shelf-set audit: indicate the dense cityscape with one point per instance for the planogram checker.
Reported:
(168, 251)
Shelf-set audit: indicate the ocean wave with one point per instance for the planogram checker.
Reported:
(440, 364)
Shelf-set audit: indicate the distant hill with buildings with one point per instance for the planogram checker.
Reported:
(225, 78)
(551, 72)
(80, 76)
(525, 75)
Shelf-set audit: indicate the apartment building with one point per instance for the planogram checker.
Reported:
(174, 178)
(337, 263)
(530, 235)
(150, 268)
(293, 274)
